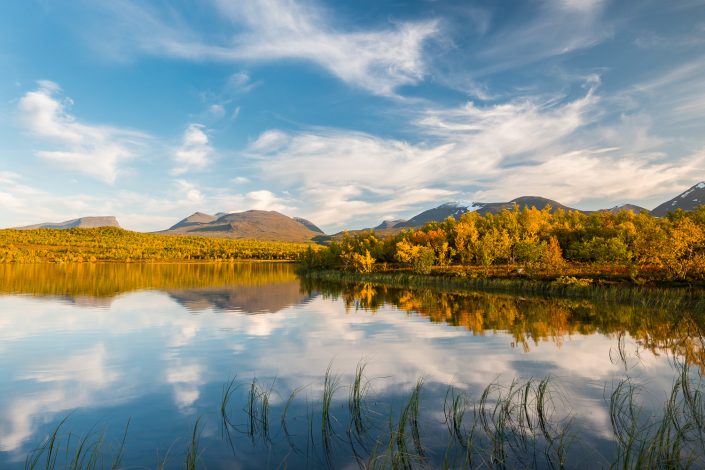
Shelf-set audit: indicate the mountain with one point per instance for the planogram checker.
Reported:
(82, 222)
(626, 207)
(455, 210)
(687, 200)
(196, 218)
(524, 201)
(437, 214)
(310, 225)
(390, 224)
(253, 224)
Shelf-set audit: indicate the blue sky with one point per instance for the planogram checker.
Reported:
(345, 113)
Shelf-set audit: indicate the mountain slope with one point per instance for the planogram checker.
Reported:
(252, 224)
(524, 201)
(455, 210)
(308, 224)
(390, 224)
(194, 219)
(687, 200)
(82, 222)
(626, 207)
(437, 214)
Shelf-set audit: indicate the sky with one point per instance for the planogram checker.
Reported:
(345, 113)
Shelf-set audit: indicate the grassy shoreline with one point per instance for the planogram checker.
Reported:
(665, 293)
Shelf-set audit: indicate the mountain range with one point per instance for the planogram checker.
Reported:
(274, 226)
(260, 225)
(83, 222)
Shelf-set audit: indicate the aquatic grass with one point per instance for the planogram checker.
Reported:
(257, 410)
(285, 413)
(117, 460)
(192, 452)
(454, 407)
(358, 390)
(672, 439)
(520, 424)
(409, 416)
(48, 448)
(74, 452)
(331, 383)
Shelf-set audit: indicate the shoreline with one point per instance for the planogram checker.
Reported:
(596, 289)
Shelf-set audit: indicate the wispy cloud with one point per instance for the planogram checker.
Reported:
(195, 150)
(573, 25)
(378, 60)
(95, 150)
(551, 147)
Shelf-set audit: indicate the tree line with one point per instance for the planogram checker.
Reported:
(115, 244)
(529, 239)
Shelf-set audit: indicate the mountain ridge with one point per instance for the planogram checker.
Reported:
(272, 225)
(253, 224)
(81, 222)
(688, 200)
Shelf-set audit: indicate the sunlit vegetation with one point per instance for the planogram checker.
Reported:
(672, 326)
(115, 244)
(110, 279)
(524, 424)
(534, 243)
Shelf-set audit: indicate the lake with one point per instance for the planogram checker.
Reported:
(247, 366)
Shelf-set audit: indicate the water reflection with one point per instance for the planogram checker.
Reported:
(246, 287)
(169, 336)
(531, 320)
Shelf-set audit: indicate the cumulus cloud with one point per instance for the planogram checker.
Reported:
(95, 150)
(378, 60)
(195, 150)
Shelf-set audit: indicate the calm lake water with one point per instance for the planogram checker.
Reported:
(97, 345)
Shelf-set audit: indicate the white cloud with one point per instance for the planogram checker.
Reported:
(265, 30)
(241, 180)
(552, 147)
(240, 83)
(95, 150)
(548, 28)
(195, 150)
(189, 192)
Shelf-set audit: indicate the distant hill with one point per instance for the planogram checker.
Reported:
(626, 207)
(455, 210)
(524, 201)
(82, 222)
(687, 200)
(437, 214)
(197, 218)
(390, 224)
(252, 224)
(309, 224)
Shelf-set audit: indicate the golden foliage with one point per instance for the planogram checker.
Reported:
(115, 244)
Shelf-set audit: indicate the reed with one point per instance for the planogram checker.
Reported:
(522, 424)
(330, 386)
(192, 452)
